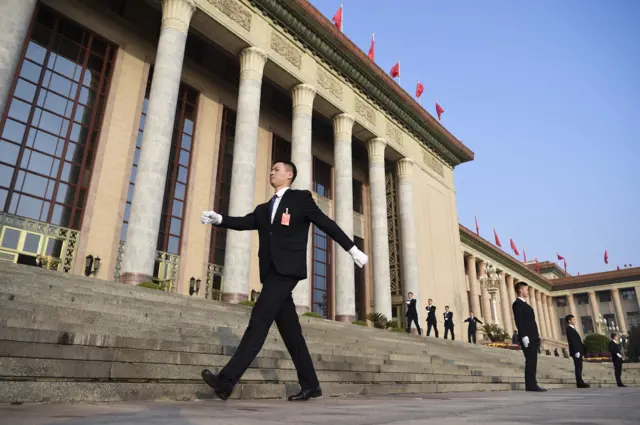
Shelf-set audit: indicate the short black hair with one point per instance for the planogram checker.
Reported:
(613, 335)
(519, 285)
(430, 299)
(446, 306)
(569, 317)
(411, 293)
(288, 164)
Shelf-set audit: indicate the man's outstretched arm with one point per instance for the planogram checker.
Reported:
(248, 222)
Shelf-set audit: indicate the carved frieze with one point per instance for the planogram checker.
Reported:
(285, 49)
(234, 10)
(394, 133)
(433, 163)
(329, 84)
(365, 111)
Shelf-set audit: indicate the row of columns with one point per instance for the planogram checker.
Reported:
(540, 302)
(594, 302)
(139, 258)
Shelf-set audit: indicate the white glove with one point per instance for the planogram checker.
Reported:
(210, 217)
(577, 355)
(359, 257)
(525, 341)
(619, 355)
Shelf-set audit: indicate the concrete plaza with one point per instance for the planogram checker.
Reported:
(592, 406)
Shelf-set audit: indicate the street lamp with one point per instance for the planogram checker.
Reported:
(194, 286)
(491, 282)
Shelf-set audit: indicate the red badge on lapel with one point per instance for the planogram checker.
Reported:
(286, 218)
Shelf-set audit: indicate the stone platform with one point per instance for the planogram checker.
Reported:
(585, 407)
(66, 338)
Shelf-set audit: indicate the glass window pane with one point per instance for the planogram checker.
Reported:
(175, 226)
(6, 174)
(35, 185)
(31, 243)
(173, 245)
(187, 128)
(36, 52)
(54, 248)
(25, 90)
(184, 158)
(3, 197)
(10, 239)
(38, 162)
(30, 71)
(19, 110)
(180, 191)
(9, 152)
(29, 207)
(13, 131)
(182, 174)
(177, 208)
(44, 142)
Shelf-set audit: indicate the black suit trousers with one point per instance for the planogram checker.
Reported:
(531, 363)
(274, 304)
(433, 325)
(413, 319)
(472, 336)
(617, 366)
(448, 328)
(578, 368)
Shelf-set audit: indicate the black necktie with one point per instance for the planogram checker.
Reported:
(272, 202)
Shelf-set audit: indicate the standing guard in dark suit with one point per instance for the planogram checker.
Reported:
(616, 357)
(432, 321)
(472, 320)
(529, 336)
(448, 323)
(576, 349)
(283, 229)
(412, 314)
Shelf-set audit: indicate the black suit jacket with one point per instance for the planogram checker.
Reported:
(286, 246)
(431, 314)
(472, 323)
(614, 349)
(525, 320)
(448, 319)
(412, 311)
(575, 342)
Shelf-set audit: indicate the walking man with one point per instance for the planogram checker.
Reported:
(472, 320)
(412, 314)
(432, 321)
(529, 337)
(283, 229)
(576, 349)
(616, 357)
(448, 323)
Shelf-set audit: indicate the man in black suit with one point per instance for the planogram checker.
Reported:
(448, 323)
(472, 320)
(412, 314)
(432, 321)
(576, 349)
(283, 229)
(616, 358)
(529, 337)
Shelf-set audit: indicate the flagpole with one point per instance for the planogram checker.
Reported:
(399, 83)
(474, 213)
(342, 21)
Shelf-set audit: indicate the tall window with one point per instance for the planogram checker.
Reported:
(587, 324)
(628, 294)
(280, 149)
(360, 283)
(223, 185)
(321, 272)
(175, 193)
(610, 320)
(358, 205)
(50, 129)
(604, 296)
(633, 318)
(321, 178)
(581, 299)
(561, 301)
(563, 325)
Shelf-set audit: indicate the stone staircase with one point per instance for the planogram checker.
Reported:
(66, 338)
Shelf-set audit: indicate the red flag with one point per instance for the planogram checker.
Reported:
(524, 252)
(337, 19)
(560, 257)
(439, 110)
(606, 257)
(395, 71)
(497, 238)
(419, 89)
(477, 227)
(537, 265)
(372, 49)
(513, 247)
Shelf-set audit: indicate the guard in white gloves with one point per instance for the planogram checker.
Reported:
(576, 349)
(616, 357)
(283, 229)
(528, 333)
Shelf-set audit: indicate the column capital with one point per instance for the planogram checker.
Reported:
(342, 127)
(404, 168)
(252, 61)
(376, 147)
(302, 96)
(177, 14)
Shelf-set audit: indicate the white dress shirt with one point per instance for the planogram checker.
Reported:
(523, 300)
(277, 202)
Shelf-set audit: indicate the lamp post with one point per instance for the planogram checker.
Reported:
(491, 282)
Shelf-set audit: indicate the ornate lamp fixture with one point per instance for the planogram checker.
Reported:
(491, 282)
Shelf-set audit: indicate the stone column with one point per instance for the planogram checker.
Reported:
(486, 298)
(243, 173)
(15, 16)
(473, 285)
(408, 245)
(534, 305)
(148, 195)
(574, 311)
(638, 295)
(512, 298)
(553, 317)
(302, 96)
(545, 314)
(343, 210)
(542, 315)
(379, 228)
(594, 303)
(617, 304)
(507, 323)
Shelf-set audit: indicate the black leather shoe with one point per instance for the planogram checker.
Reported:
(584, 385)
(305, 395)
(212, 380)
(536, 389)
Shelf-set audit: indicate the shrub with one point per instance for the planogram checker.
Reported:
(495, 333)
(360, 322)
(250, 303)
(633, 344)
(379, 320)
(596, 343)
(150, 285)
(313, 314)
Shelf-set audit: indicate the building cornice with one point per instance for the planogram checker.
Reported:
(596, 279)
(487, 249)
(311, 28)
